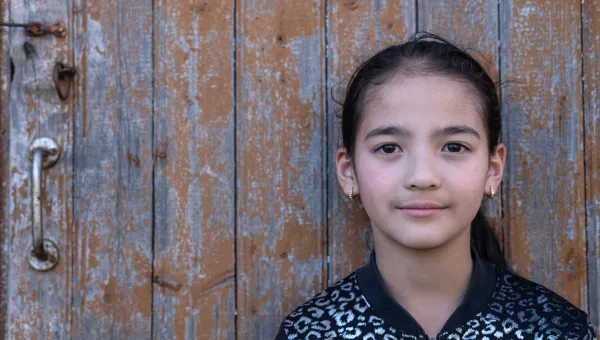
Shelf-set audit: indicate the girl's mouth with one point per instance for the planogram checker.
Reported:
(421, 208)
(421, 212)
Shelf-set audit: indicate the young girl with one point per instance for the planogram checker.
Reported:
(421, 127)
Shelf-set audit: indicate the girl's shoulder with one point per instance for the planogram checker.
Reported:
(324, 310)
(523, 303)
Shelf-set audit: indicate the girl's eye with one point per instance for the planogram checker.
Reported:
(455, 148)
(389, 148)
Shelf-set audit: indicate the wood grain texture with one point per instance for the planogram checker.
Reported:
(4, 165)
(281, 232)
(39, 304)
(544, 200)
(356, 30)
(112, 260)
(473, 24)
(194, 288)
(591, 105)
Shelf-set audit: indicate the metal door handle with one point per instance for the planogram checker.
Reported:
(43, 254)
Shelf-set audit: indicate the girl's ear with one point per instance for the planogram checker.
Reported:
(496, 169)
(345, 172)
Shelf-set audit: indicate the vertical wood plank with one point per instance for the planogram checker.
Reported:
(544, 187)
(112, 261)
(591, 99)
(39, 304)
(4, 165)
(281, 233)
(356, 30)
(194, 289)
(473, 24)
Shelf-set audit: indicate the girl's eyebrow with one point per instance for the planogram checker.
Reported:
(388, 130)
(455, 130)
(397, 130)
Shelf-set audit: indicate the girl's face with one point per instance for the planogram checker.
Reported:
(421, 163)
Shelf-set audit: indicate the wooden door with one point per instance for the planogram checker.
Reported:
(195, 196)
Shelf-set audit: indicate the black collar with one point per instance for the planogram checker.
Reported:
(481, 288)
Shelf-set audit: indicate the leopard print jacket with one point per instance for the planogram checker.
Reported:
(497, 305)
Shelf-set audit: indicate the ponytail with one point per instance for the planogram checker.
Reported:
(485, 242)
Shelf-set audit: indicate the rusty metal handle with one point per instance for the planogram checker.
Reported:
(43, 254)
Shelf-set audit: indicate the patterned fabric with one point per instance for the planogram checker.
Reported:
(515, 309)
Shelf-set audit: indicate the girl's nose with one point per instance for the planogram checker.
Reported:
(422, 173)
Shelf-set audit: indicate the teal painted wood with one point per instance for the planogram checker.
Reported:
(544, 199)
(194, 151)
(591, 106)
(112, 169)
(4, 165)
(281, 232)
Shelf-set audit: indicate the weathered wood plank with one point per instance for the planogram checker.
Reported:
(474, 25)
(281, 232)
(591, 105)
(544, 200)
(4, 165)
(39, 304)
(112, 260)
(357, 29)
(194, 150)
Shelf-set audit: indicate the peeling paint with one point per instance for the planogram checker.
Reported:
(591, 79)
(544, 154)
(281, 133)
(194, 179)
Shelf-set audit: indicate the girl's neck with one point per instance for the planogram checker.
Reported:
(429, 284)
(442, 270)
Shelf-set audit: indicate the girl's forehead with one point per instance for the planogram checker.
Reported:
(421, 102)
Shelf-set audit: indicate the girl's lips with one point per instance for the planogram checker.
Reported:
(422, 205)
(421, 208)
(421, 212)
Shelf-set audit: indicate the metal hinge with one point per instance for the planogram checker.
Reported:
(37, 29)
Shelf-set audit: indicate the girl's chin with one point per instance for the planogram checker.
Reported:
(423, 238)
(422, 245)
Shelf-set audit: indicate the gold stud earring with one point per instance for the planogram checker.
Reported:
(493, 193)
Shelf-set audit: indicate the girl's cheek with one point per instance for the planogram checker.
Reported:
(376, 178)
(468, 179)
